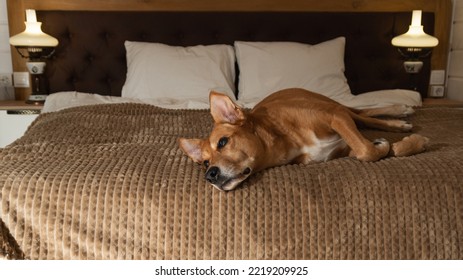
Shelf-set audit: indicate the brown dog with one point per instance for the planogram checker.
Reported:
(291, 126)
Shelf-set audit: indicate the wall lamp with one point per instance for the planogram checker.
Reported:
(415, 44)
(36, 46)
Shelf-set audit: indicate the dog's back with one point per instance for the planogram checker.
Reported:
(302, 121)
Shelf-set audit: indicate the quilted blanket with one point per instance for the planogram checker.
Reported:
(109, 182)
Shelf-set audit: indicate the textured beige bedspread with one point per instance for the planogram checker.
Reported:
(109, 182)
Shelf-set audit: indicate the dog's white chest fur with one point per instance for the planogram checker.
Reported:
(322, 149)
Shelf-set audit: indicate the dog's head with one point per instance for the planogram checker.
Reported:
(230, 154)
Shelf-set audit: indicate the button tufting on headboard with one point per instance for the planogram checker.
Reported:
(91, 54)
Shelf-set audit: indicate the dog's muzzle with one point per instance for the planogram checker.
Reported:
(225, 182)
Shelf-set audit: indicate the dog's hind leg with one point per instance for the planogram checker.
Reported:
(361, 148)
(397, 111)
(382, 124)
(409, 145)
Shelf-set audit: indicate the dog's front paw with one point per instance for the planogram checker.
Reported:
(380, 141)
(382, 147)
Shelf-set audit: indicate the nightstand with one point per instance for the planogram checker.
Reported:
(441, 102)
(15, 118)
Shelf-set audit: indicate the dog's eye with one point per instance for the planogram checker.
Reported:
(222, 142)
(206, 163)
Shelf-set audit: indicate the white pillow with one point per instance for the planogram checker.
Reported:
(382, 98)
(158, 71)
(266, 67)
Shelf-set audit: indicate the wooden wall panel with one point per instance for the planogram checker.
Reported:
(234, 5)
(441, 8)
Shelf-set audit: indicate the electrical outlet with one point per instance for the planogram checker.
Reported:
(5, 80)
(437, 91)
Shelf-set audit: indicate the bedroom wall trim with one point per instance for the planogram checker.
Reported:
(455, 67)
(441, 8)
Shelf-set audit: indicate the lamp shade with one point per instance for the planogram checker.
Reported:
(415, 36)
(33, 36)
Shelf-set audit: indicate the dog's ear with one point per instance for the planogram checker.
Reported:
(224, 110)
(192, 148)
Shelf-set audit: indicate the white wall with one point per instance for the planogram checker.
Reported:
(455, 69)
(5, 55)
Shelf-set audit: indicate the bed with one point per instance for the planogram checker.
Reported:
(99, 174)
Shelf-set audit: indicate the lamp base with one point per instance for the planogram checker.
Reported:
(36, 99)
(39, 83)
(413, 66)
(36, 67)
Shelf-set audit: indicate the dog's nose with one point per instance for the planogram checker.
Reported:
(212, 174)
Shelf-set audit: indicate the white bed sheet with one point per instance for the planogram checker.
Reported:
(382, 98)
(68, 99)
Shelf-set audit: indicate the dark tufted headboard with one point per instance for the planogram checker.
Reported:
(91, 55)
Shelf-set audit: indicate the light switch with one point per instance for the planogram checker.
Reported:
(437, 77)
(21, 79)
